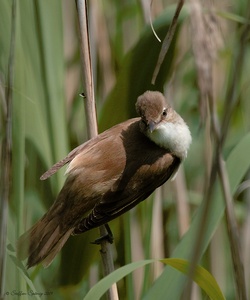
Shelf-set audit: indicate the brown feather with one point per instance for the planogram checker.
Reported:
(107, 176)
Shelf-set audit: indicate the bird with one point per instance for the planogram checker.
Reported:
(109, 175)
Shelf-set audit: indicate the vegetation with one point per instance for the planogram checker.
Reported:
(200, 218)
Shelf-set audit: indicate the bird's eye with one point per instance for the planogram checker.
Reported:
(164, 113)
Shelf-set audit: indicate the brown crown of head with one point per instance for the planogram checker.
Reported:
(151, 105)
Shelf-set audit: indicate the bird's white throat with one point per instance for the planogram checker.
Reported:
(173, 136)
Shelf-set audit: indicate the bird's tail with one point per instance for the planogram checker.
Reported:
(42, 242)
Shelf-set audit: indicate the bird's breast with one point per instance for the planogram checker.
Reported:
(175, 137)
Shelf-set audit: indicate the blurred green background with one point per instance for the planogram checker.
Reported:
(48, 121)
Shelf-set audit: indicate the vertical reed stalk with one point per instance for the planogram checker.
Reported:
(219, 133)
(90, 111)
(6, 155)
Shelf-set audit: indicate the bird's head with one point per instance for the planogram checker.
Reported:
(161, 124)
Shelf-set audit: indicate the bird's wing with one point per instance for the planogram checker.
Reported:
(62, 162)
(85, 147)
(91, 173)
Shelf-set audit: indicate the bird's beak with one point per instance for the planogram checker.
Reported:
(151, 126)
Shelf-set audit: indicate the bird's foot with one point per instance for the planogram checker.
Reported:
(107, 237)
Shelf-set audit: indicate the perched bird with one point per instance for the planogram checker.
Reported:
(110, 174)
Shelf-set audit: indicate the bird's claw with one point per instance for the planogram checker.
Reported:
(107, 237)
